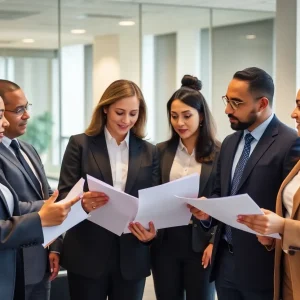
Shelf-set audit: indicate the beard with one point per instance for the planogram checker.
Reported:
(243, 125)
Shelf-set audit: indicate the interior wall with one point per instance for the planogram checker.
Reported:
(231, 52)
(165, 81)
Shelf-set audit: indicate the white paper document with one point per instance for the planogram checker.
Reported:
(160, 205)
(226, 209)
(75, 216)
(119, 211)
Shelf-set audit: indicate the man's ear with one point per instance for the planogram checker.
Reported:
(264, 102)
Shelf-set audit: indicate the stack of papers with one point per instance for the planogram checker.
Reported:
(165, 205)
(157, 204)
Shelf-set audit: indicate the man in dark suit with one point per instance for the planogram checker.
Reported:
(23, 169)
(254, 160)
(15, 219)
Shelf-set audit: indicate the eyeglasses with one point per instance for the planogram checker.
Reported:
(21, 110)
(233, 103)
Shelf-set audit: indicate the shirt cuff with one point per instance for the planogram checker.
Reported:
(55, 252)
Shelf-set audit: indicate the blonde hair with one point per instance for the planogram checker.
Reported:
(118, 90)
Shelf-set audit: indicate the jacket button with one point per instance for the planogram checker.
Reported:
(195, 225)
(291, 252)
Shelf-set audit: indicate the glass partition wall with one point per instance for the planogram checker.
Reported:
(64, 54)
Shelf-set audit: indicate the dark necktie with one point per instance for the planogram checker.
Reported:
(238, 175)
(15, 145)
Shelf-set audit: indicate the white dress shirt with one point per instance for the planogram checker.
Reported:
(118, 158)
(184, 163)
(6, 142)
(8, 198)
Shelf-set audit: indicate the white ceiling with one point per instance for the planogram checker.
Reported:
(38, 19)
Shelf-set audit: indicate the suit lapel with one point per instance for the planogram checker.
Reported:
(99, 150)
(167, 160)
(206, 169)
(262, 146)
(230, 154)
(9, 156)
(135, 159)
(37, 167)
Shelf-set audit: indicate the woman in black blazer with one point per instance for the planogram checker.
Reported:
(180, 255)
(101, 264)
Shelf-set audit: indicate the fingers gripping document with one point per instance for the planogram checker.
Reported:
(158, 204)
(75, 216)
(226, 209)
(117, 212)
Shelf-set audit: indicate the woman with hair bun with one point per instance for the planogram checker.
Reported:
(180, 256)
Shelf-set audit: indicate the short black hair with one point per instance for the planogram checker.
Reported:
(7, 86)
(260, 82)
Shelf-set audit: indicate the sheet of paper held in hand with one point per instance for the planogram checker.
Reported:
(120, 209)
(227, 209)
(76, 215)
(160, 205)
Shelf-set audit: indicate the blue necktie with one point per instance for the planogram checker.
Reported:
(238, 175)
(14, 144)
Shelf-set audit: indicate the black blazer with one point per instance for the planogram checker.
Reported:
(35, 258)
(87, 246)
(16, 232)
(270, 162)
(167, 151)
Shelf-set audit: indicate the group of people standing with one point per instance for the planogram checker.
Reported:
(187, 262)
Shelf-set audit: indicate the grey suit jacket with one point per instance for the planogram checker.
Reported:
(35, 258)
(167, 152)
(88, 254)
(274, 156)
(16, 232)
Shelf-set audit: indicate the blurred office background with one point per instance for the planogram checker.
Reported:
(64, 53)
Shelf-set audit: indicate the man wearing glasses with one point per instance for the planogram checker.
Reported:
(23, 169)
(254, 160)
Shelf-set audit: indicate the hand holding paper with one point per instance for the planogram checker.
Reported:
(197, 213)
(227, 209)
(265, 224)
(93, 200)
(75, 216)
(52, 213)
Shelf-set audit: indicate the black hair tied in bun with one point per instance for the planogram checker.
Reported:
(191, 82)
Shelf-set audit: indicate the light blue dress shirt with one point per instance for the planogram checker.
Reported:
(257, 134)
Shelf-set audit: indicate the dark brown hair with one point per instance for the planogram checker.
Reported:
(189, 94)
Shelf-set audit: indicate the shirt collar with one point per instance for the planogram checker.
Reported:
(7, 141)
(259, 130)
(111, 139)
(183, 148)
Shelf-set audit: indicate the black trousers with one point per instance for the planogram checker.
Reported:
(227, 288)
(111, 285)
(177, 270)
(19, 283)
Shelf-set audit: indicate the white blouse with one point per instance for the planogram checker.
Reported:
(184, 163)
(289, 193)
(118, 158)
